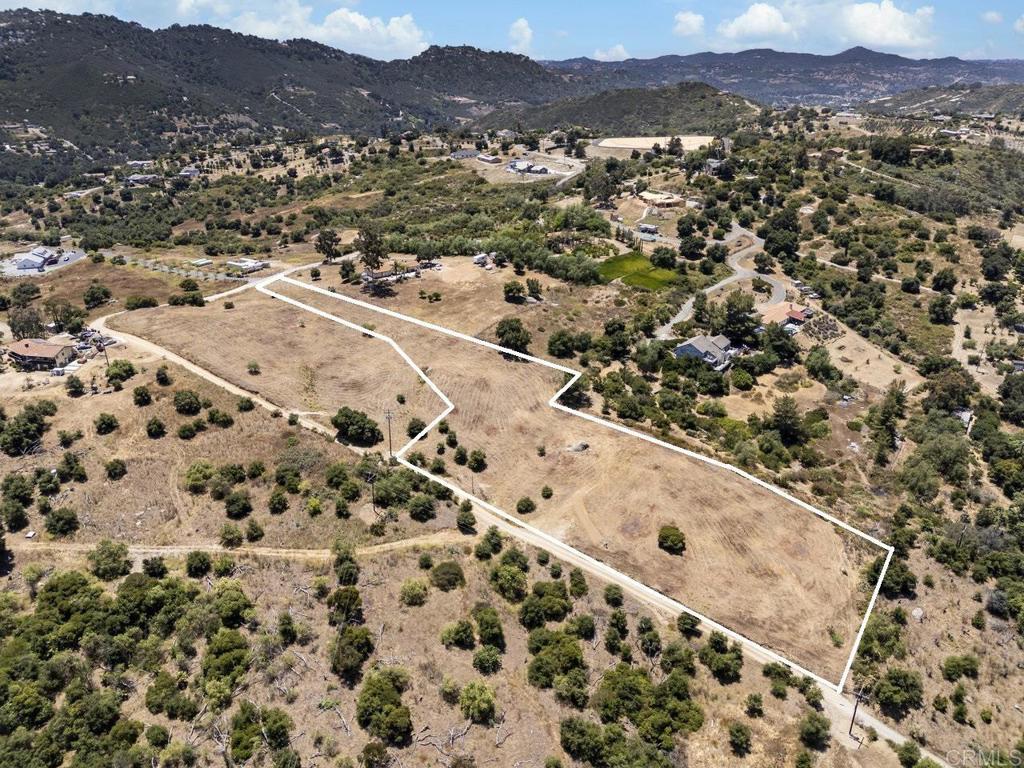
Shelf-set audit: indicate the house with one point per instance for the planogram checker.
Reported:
(201, 262)
(464, 154)
(489, 159)
(505, 135)
(713, 166)
(248, 265)
(142, 179)
(140, 164)
(716, 351)
(189, 173)
(520, 166)
(39, 355)
(647, 229)
(36, 259)
(786, 312)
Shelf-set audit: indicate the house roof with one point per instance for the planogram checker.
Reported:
(708, 345)
(35, 348)
(780, 313)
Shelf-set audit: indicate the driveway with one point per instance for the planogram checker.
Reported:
(740, 273)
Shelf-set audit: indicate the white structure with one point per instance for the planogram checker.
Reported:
(248, 265)
(36, 259)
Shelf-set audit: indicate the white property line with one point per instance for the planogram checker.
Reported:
(556, 543)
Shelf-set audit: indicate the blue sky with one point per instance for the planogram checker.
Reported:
(604, 29)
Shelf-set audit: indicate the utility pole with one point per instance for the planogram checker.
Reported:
(388, 416)
(858, 697)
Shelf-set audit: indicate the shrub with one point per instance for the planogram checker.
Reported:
(230, 536)
(815, 731)
(487, 660)
(238, 505)
(116, 469)
(477, 461)
(245, 404)
(525, 505)
(447, 575)
(477, 702)
(413, 592)
(155, 429)
(197, 564)
(187, 402)
(739, 739)
(61, 522)
(613, 595)
(422, 508)
(458, 634)
(106, 423)
(141, 396)
(671, 539)
(415, 427)
(356, 427)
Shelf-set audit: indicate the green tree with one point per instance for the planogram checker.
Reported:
(327, 243)
(109, 560)
(512, 334)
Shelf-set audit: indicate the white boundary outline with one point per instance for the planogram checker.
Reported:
(553, 402)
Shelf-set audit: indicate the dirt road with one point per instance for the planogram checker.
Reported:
(739, 274)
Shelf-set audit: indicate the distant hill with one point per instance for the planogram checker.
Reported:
(113, 88)
(958, 99)
(100, 82)
(778, 78)
(675, 109)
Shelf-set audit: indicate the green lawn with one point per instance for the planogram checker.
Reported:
(636, 270)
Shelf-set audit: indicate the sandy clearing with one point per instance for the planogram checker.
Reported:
(760, 565)
(646, 142)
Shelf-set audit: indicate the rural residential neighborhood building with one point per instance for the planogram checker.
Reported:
(716, 351)
(36, 259)
(40, 355)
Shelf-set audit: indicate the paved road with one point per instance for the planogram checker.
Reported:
(739, 274)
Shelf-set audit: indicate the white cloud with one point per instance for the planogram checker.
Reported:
(396, 37)
(1019, 24)
(617, 52)
(192, 7)
(760, 21)
(884, 25)
(992, 17)
(520, 35)
(688, 24)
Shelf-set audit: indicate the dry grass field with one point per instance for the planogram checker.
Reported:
(473, 302)
(754, 562)
(308, 365)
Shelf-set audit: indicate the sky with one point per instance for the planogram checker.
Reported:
(610, 30)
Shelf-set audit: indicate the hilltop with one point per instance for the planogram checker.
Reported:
(675, 109)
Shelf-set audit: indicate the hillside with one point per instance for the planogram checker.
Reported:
(972, 99)
(126, 80)
(774, 77)
(675, 109)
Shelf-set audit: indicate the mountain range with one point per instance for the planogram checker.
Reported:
(115, 87)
